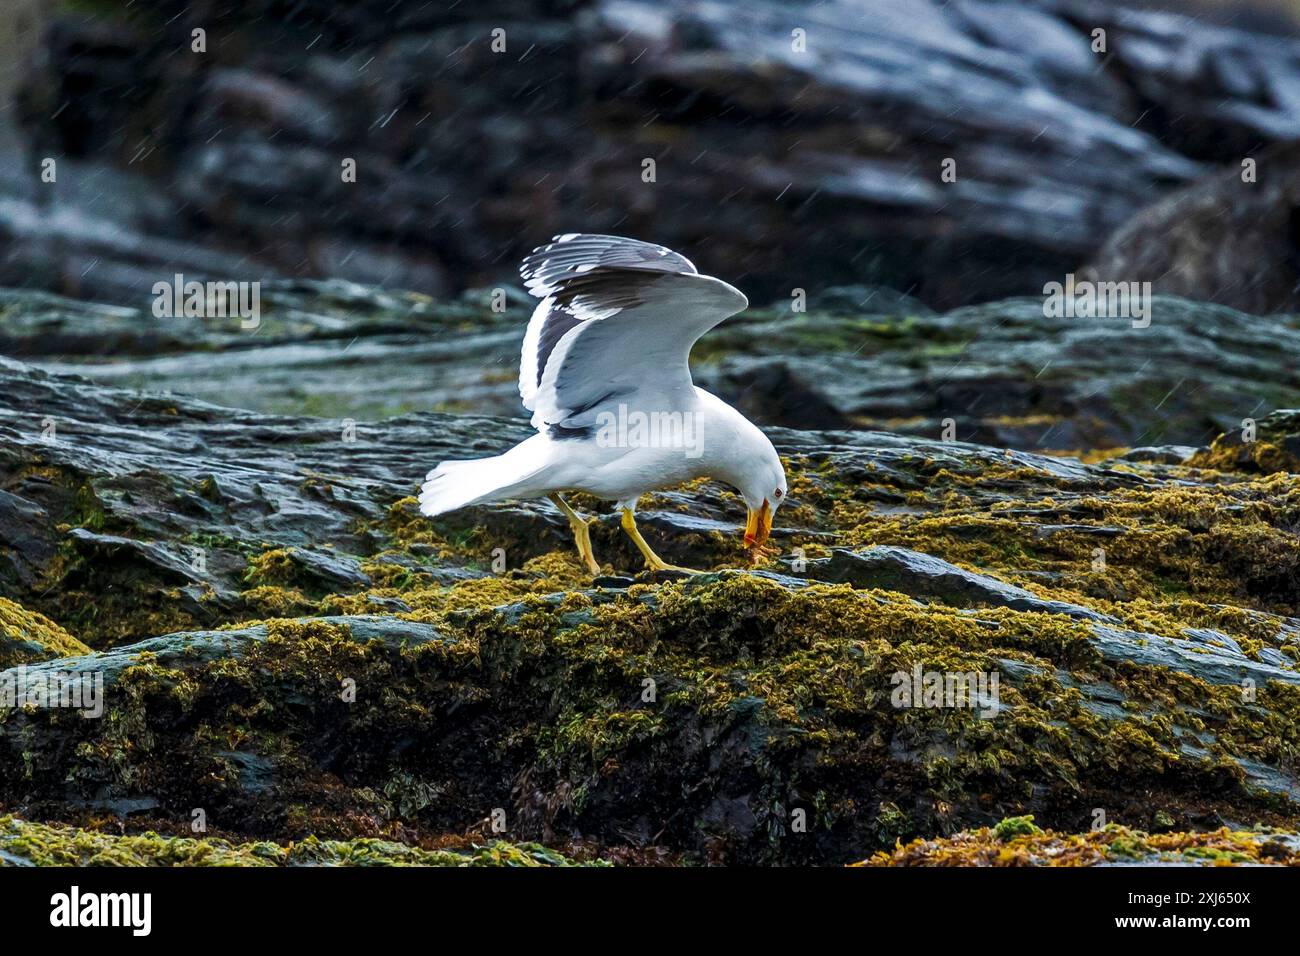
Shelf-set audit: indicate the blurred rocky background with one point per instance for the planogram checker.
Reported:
(795, 144)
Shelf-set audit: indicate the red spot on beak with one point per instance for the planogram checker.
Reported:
(759, 526)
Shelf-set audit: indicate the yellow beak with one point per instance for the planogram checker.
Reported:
(759, 525)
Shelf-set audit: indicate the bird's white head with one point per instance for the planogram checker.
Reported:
(762, 485)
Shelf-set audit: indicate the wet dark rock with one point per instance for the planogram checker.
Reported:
(1000, 373)
(783, 166)
(1006, 374)
(194, 648)
(1044, 530)
(613, 581)
(24, 526)
(1213, 665)
(1222, 239)
(773, 394)
(115, 550)
(326, 571)
(927, 577)
(1163, 454)
(1212, 638)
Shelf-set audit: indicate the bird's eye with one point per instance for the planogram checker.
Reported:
(777, 493)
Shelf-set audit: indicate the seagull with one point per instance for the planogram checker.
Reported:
(605, 371)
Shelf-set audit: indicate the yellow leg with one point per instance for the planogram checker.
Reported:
(581, 533)
(652, 560)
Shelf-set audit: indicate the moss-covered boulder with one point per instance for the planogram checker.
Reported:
(760, 708)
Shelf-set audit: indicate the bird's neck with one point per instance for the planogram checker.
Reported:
(729, 440)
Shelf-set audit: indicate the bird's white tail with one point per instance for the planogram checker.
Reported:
(457, 484)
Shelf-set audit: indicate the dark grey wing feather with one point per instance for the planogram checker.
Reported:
(616, 324)
(583, 277)
(547, 268)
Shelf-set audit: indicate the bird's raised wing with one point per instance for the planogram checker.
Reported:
(615, 325)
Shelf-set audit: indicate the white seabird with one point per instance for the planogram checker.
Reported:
(605, 372)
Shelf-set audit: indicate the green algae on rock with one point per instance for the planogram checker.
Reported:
(770, 695)
(27, 637)
(1270, 445)
(1020, 843)
(287, 644)
(23, 843)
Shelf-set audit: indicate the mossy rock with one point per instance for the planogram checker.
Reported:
(1012, 827)
(1274, 446)
(743, 701)
(27, 637)
(23, 843)
(999, 846)
(332, 664)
